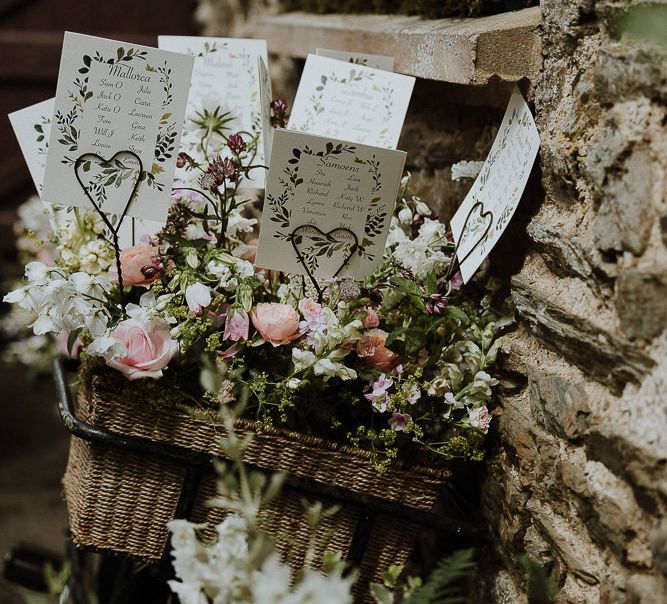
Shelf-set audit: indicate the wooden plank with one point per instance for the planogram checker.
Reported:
(461, 51)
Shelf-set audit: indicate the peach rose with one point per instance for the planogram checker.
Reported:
(149, 348)
(140, 265)
(276, 323)
(382, 358)
(371, 319)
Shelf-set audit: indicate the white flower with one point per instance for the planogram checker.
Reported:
(237, 223)
(244, 268)
(422, 208)
(106, 347)
(396, 233)
(302, 359)
(197, 297)
(271, 584)
(293, 383)
(480, 419)
(405, 216)
(329, 368)
(432, 231)
(36, 272)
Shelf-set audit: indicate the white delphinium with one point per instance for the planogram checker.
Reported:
(243, 565)
(62, 302)
(424, 254)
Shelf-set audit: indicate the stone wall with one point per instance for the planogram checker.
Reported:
(579, 480)
(583, 423)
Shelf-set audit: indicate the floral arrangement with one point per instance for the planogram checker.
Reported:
(398, 363)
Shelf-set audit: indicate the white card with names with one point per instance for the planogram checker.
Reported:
(32, 127)
(328, 206)
(494, 196)
(114, 97)
(351, 102)
(360, 58)
(225, 76)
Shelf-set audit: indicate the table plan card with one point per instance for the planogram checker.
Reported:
(490, 204)
(360, 58)
(328, 206)
(225, 77)
(351, 102)
(32, 127)
(116, 101)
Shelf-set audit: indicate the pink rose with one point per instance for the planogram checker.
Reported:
(371, 319)
(140, 265)
(149, 348)
(276, 323)
(236, 326)
(382, 358)
(310, 308)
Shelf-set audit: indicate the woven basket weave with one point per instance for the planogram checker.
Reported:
(120, 501)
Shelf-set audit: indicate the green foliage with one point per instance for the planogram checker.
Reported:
(540, 585)
(449, 582)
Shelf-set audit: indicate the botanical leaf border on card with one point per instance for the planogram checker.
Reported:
(115, 172)
(316, 107)
(523, 119)
(281, 212)
(42, 141)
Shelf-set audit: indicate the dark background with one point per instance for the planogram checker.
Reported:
(33, 443)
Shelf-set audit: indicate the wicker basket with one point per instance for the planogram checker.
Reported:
(120, 501)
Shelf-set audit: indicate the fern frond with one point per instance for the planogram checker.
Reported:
(448, 583)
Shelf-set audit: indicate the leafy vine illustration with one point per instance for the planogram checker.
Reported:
(326, 245)
(316, 100)
(114, 173)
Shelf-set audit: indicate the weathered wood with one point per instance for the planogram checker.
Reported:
(462, 51)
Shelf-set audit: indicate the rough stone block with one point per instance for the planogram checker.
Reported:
(624, 71)
(641, 302)
(567, 316)
(559, 404)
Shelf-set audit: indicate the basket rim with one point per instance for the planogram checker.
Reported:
(104, 382)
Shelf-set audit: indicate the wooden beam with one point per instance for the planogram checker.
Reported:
(461, 51)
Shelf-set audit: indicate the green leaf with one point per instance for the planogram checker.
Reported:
(431, 283)
(540, 587)
(381, 594)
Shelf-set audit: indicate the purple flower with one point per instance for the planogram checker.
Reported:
(457, 281)
(279, 110)
(236, 143)
(399, 421)
(208, 182)
(223, 170)
(437, 304)
(412, 393)
(378, 392)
